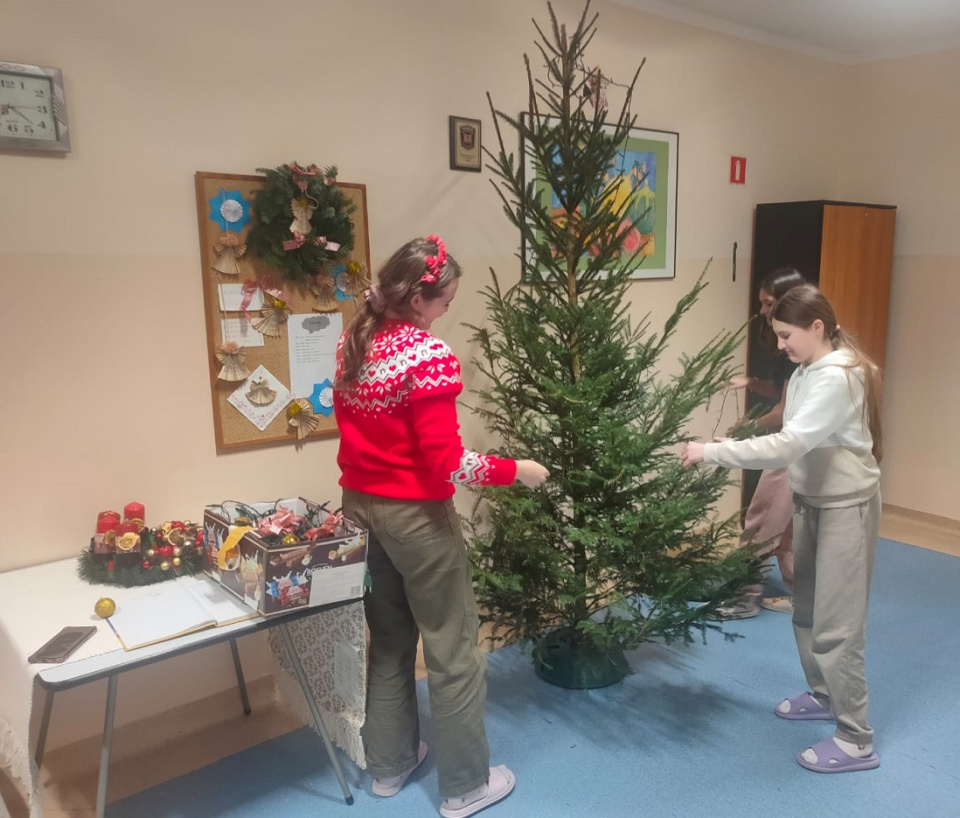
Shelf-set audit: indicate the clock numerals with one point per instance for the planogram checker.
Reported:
(32, 113)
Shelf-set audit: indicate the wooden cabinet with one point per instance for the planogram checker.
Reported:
(844, 248)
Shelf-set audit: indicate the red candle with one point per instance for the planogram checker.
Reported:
(127, 528)
(133, 511)
(107, 521)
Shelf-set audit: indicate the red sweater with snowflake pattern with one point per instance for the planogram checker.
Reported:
(399, 435)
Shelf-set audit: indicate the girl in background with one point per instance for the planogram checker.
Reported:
(400, 456)
(832, 442)
(769, 518)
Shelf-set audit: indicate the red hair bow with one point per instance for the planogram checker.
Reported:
(435, 264)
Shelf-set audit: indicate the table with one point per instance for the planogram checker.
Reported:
(102, 658)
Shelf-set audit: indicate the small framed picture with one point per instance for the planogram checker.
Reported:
(464, 144)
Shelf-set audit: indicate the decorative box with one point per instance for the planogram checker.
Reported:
(284, 555)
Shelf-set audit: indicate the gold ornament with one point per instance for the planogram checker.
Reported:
(164, 566)
(177, 551)
(290, 539)
(176, 562)
(105, 607)
(151, 553)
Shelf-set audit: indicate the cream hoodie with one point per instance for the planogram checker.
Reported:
(825, 440)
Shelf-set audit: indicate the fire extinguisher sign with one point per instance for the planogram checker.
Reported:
(738, 170)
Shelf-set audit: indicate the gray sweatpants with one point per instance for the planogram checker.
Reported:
(422, 586)
(834, 549)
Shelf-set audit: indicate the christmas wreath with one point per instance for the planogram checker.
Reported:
(302, 221)
(144, 557)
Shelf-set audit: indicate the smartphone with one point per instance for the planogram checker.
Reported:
(63, 644)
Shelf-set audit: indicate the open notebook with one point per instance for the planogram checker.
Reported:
(172, 609)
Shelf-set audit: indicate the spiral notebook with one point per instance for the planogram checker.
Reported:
(173, 609)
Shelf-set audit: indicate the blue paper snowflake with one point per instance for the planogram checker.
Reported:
(321, 399)
(229, 210)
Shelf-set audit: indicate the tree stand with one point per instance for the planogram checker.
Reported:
(565, 658)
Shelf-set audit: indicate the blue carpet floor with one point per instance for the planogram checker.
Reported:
(690, 734)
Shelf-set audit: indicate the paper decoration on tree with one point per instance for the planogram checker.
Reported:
(232, 357)
(229, 252)
(301, 417)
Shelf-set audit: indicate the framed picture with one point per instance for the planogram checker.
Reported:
(465, 144)
(645, 171)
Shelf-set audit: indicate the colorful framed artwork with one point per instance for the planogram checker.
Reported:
(465, 144)
(645, 172)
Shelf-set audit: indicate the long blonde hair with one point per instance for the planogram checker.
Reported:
(800, 307)
(399, 280)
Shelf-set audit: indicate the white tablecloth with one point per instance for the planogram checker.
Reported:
(36, 602)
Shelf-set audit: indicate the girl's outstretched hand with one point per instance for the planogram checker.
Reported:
(739, 382)
(531, 473)
(692, 453)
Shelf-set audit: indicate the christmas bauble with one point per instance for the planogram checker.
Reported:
(105, 607)
(176, 562)
(151, 553)
(291, 539)
(164, 566)
(176, 552)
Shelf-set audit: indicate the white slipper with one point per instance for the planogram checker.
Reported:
(499, 786)
(385, 787)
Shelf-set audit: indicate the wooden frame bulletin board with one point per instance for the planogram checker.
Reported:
(233, 429)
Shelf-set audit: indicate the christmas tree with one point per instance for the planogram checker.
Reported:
(610, 553)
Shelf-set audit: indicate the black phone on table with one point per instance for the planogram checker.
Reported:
(63, 644)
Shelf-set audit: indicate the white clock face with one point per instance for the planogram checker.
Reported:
(26, 107)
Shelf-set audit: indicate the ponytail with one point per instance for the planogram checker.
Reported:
(421, 266)
(872, 385)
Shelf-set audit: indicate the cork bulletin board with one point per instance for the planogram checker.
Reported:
(232, 303)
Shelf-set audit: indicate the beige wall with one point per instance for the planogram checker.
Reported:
(900, 147)
(102, 325)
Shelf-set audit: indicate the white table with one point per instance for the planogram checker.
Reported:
(42, 598)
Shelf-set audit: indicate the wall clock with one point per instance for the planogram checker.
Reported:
(33, 110)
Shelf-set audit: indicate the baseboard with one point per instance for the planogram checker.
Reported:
(921, 529)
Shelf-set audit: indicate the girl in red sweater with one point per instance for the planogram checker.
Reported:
(400, 456)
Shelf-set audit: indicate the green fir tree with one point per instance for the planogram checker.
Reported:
(611, 551)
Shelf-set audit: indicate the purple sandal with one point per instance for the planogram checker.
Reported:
(831, 759)
(803, 708)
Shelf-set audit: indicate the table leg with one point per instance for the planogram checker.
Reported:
(315, 710)
(44, 725)
(240, 682)
(106, 744)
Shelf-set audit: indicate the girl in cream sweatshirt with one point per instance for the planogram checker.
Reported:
(831, 442)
